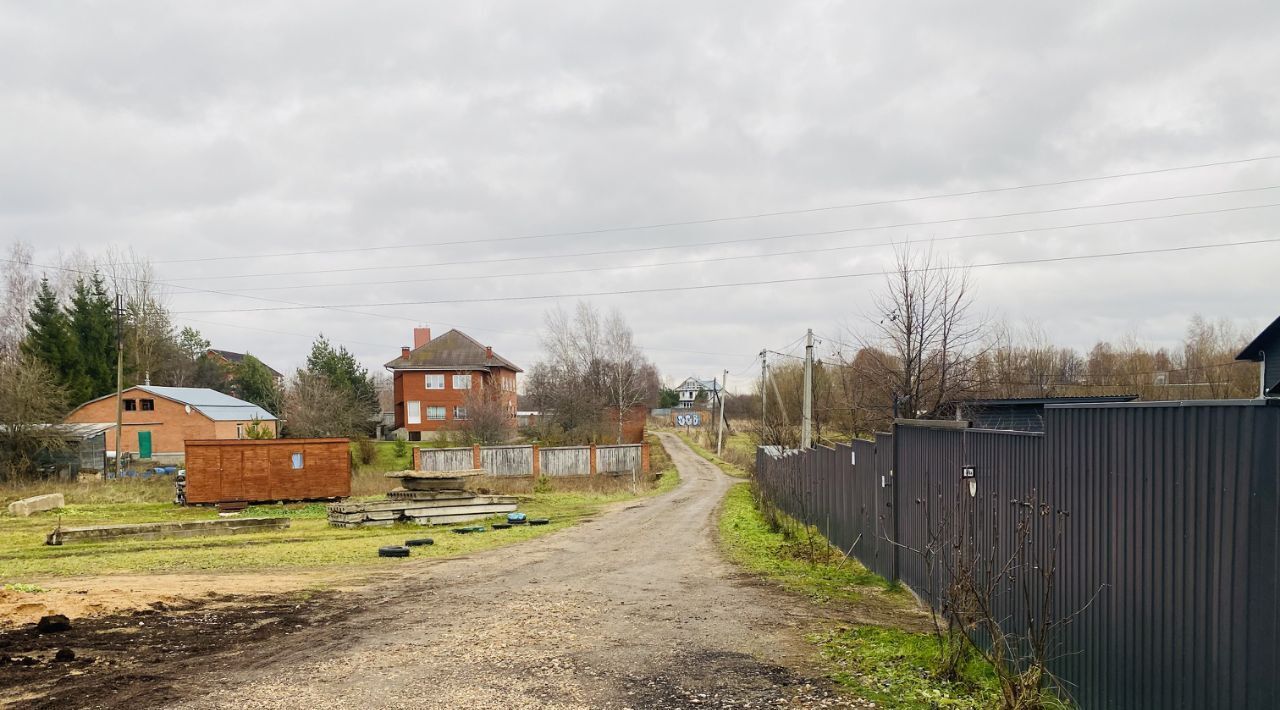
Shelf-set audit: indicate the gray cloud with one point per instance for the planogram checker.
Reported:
(254, 128)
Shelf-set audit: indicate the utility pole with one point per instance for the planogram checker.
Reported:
(806, 423)
(764, 393)
(119, 383)
(720, 434)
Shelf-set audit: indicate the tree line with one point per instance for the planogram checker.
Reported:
(924, 346)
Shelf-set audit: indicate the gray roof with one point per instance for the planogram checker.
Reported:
(211, 403)
(694, 383)
(454, 350)
(234, 358)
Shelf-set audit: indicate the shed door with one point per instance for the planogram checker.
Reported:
(256, 474)
(231, 475)
(144, 445)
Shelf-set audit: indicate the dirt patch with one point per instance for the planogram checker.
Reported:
(142, 655)
(88, 597)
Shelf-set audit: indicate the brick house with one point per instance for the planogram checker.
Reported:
(228, 360)
(162, 419)
(432, 381)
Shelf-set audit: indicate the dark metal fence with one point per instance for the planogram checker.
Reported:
(1170, 544)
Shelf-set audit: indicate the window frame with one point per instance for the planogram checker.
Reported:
(296, 461)
(130, 405)
(444, 412)
(460, 412)
(429, 377)
(410, 416)
(457, 376)
(146, 405)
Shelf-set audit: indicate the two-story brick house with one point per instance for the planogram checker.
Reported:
(431, 382)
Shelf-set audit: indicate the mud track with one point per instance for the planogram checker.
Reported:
(635, 609)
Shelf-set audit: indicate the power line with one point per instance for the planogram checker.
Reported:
(747, 240)
(766, 282)
(736, 218)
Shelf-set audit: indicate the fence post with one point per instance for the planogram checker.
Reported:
(644, 457)
(893, 498)
(537, 462)
(594, 464)
(475, 456)
(414, 457)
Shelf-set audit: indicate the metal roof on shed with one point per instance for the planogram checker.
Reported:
(211, 403)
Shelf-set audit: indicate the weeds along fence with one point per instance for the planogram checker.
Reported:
(534, 461)
(1164, 540)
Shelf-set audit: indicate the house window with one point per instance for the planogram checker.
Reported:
(148, 405)
(435, 382)
(131, 405)
(459, 412)
(462, 382)
(414, 412)
(296, 460)
(436, 413)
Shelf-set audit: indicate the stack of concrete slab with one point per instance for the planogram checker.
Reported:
(426, 498)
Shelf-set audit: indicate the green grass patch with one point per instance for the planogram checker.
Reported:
(309, 541)
(894, 668)
(729, 468)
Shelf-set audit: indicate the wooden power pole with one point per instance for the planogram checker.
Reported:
(806, 423)
(720, 433)
(764, 394)
(119, 383)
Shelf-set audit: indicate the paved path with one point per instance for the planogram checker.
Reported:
(634, 609)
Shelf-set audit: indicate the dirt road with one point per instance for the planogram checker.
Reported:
(635, 609)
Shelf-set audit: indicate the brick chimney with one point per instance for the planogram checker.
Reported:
(404, 351)
(421, 336)
(488, 352)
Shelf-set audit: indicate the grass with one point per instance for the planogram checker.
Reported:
(890, 666)
(309, 541)
(730, 468)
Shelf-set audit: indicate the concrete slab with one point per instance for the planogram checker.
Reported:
(36, 504)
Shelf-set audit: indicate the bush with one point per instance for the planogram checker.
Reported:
(401, 447)
(366, 452)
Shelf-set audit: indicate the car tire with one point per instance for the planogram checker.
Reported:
(393, 551)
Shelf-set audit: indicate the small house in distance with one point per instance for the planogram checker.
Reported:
(433, 381)
(695, 392)
(157, 421)
(1265, 350)
(229, 360)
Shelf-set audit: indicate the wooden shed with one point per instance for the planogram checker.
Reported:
(250, 470)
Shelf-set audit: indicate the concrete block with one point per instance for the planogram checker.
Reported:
(36, 504)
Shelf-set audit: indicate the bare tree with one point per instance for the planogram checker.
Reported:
(313, 406)
(30, 402)
(486, 419)
(20, 286)
(925, 328)
(592, 366)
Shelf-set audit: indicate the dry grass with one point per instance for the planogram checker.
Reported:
(129, 490)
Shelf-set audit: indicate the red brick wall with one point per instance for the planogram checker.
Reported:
(170, 424)
(410, 386)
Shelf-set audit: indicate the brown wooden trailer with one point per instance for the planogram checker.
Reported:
(253, 470)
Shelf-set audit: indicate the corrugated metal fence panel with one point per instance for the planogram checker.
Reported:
(507, 460)
(618, 459)
(1169, 544)
(566, 461)
(446, 459)
(1174, 518)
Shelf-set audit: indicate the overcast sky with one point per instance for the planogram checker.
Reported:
(229, 132)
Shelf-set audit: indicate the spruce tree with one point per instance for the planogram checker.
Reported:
(93, 327)
(49, 338)
(253, 382)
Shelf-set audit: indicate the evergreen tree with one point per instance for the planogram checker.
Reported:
(340, 369)
(92, 325)
(49, 337)
(253, 382)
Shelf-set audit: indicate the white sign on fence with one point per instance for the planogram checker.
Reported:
(694, 419)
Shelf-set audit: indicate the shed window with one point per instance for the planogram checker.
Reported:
(462, 382)
(435, 413)
(434, 382)
(296, 460)
(148, 405)
(131, 405)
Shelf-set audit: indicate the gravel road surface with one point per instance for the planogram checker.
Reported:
(634, 609)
